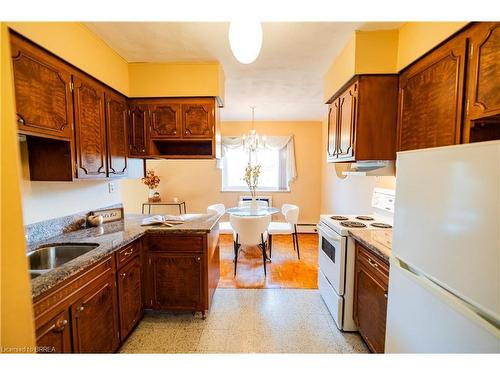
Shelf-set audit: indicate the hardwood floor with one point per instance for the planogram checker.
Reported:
(284, 271)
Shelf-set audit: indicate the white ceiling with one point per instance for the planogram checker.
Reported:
(284, 83)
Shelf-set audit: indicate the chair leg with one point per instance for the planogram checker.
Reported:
(293, 240)
(270, 246)
(297, 240)
(263, 247)
(236, 248)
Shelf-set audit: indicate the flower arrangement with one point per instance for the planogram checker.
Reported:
(251, 178)
(151, 180)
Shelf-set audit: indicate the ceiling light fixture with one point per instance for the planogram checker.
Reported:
(245, 39)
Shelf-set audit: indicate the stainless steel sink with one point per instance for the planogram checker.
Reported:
(46, 258)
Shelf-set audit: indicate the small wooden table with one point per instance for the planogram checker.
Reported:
(180, 204)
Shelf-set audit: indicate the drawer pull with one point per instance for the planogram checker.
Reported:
(372, 263)
(127, 253)
(60, 325)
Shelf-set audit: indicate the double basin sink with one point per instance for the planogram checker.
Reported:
(47, 258)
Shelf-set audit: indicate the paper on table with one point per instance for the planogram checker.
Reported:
(161, 219)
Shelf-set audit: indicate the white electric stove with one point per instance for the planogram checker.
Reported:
(336, 254)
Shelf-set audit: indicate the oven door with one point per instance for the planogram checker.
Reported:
(332, 257)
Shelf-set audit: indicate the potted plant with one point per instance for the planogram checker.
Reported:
(151, 180)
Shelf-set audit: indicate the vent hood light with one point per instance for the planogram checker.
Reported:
(371, 168)
(245, 39)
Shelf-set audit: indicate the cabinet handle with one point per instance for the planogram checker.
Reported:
(124, 275)
(82, 308)
(372, 263)
(385, 295)
(20, 120)
(198, 259)
(127, 253)
(60, 325)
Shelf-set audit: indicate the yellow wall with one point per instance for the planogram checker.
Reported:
(199, 181)
(376, 52)
(75, 43)
(341, 70)
(176, 79)
(16, 324)
(417, 38)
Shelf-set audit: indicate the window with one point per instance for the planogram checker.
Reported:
(273, 169)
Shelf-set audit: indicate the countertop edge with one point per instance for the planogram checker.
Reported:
(370, 246)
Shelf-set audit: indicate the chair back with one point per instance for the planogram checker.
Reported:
(250, 228)
(291, 213)
(218, 209)
(248, 203)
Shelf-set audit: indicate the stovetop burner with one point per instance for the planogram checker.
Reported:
(352, 224)
(381, 225)
(337, 217)
(367, 218)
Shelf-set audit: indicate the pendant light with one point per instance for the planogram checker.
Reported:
(245, 39)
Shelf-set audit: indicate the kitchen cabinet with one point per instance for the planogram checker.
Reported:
(362, 118)
(482, 117)
(166, 120)
(370, 297)
(90, 128)
(130, 295)
(116, 131)
(138, 129)
(182, 271)
(198, 118)
(42, 84)
(95, 318)
(54, 335)
(431, 94)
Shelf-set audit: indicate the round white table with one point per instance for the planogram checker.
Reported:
(247, 211)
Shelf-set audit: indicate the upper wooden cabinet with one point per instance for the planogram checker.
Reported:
(362, 120)
(482, 118)
(166, 120)
(116, 130)
(42, 83)
(90, 128)
(198, 119)
(173, 127)
(430, 98)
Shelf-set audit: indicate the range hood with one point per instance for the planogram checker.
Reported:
(371, 168)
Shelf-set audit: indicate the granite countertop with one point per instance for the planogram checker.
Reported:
(378, 241)
(109, 237)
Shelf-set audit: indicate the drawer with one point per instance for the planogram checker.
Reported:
(183, 244)
(373, 262)
(127, 253)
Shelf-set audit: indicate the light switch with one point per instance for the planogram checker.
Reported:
(111, 187)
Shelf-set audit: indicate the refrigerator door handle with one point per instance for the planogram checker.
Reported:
(489, 322)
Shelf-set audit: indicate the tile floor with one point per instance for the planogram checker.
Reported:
(247, 321)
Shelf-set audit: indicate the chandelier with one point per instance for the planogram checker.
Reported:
(253, 141)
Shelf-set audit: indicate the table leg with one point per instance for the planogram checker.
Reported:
(180, 208)
(149, 211)
(184, 204)
(142, 209)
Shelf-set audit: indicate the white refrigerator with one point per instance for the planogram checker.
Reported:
(444, 283)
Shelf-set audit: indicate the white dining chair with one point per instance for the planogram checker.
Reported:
(220, 209)
(250, 231)
(291, 214)
(248, 203)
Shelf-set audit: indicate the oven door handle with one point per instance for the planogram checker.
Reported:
(329, 234)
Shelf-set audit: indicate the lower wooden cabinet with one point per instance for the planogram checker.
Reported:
(130, 295)
(94, 318)
(370, 297)
(54, 336)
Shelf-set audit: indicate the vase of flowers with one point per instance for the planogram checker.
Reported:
(151, 180)
(251, 178)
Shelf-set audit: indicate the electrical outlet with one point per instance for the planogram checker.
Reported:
(111, 187)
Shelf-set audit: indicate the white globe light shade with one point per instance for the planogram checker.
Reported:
(245, 39)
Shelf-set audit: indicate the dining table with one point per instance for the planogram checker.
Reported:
(249, 211)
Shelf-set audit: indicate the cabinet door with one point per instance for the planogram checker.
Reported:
(138, 130)
(95, 318)
(333, 119)
(54, 335)
(116, 130)
(198, 119)
(347, 121)
(130, 295)
(483, 98)
(166, 120)
(177, 281)
(430, 101)
(90, 128)
(42, 86)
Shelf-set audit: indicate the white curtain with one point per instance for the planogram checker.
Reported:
(284, 144)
